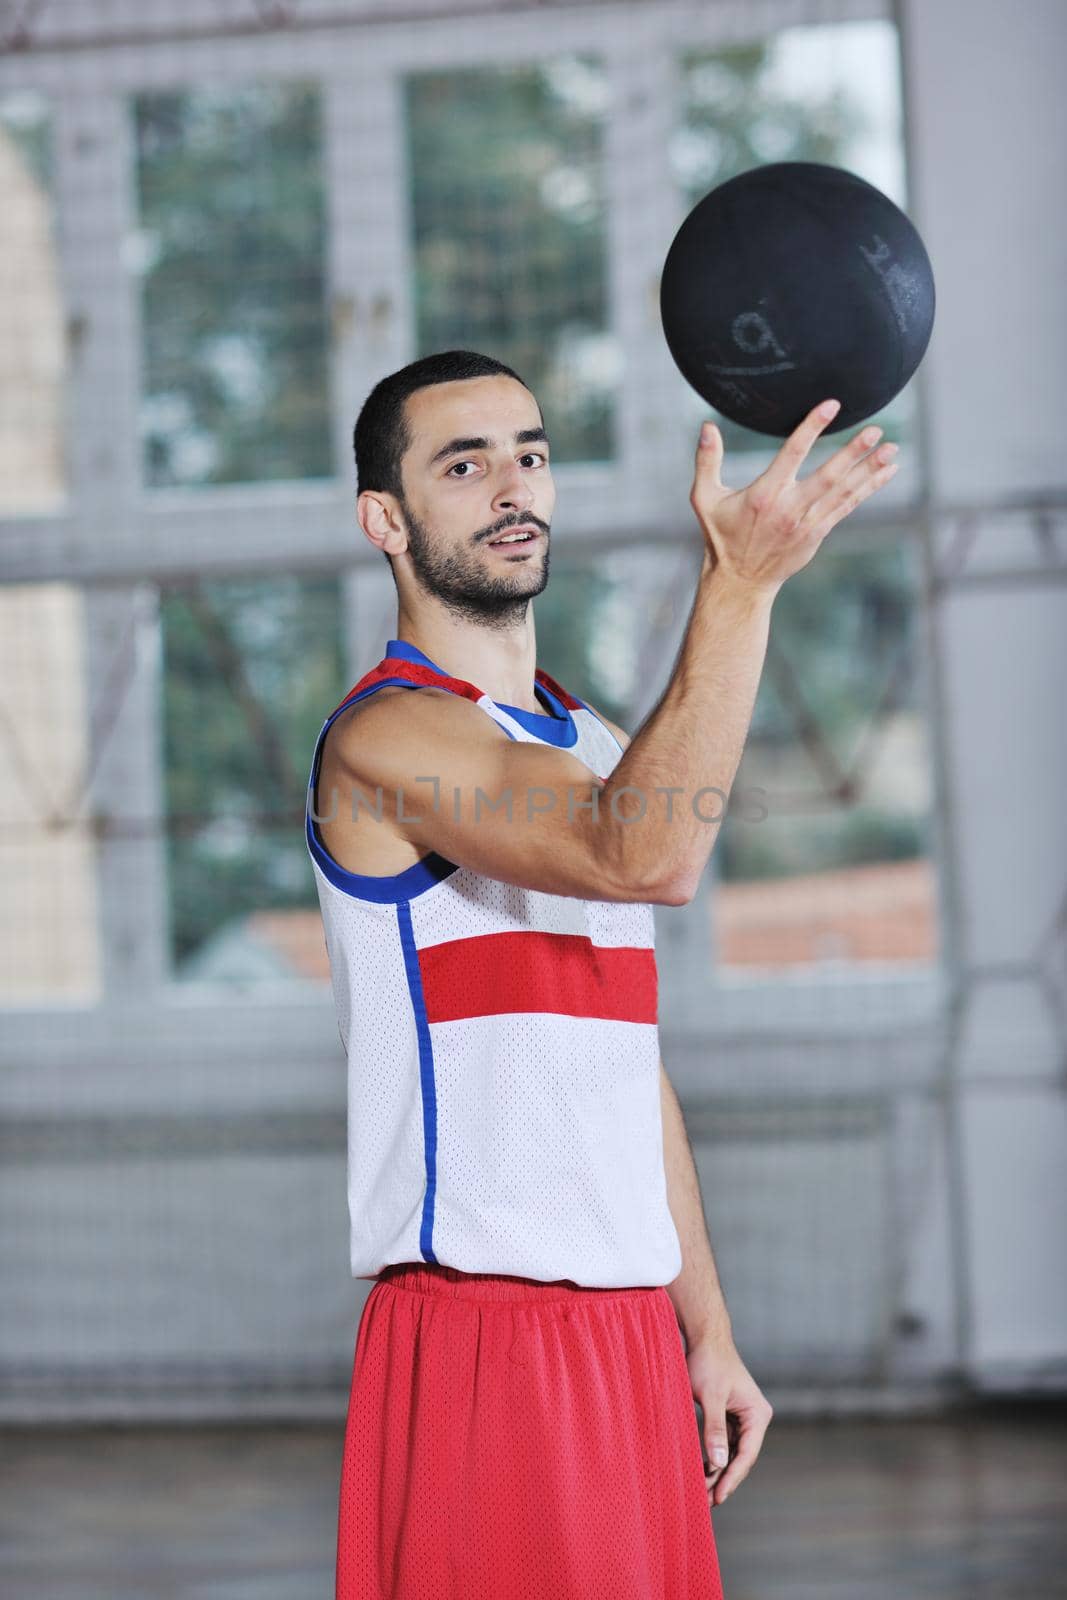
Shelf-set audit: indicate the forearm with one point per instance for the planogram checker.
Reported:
(683, 759)
(696, 1292)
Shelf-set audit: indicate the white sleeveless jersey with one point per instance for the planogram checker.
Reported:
(502, 1046)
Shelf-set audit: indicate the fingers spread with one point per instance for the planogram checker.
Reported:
(786, 464)
(864, 479)
(841, 466)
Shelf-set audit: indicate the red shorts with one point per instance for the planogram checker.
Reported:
(511, 1439)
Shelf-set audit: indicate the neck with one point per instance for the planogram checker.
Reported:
(502, 661)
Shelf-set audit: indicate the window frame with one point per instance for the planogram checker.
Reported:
(117, 537)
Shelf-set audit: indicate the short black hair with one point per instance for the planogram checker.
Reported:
(381, 435)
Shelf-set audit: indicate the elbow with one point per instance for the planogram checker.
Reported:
(657, 882)
(671, 892)
(654, 892)
(673, 895)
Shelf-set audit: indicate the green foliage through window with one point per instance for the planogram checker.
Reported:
(838, 733)
(508, 221)
(231, 247)
(829, 94)
(251, 670)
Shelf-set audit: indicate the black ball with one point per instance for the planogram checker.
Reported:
(795, 283)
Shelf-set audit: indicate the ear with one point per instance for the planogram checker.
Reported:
(379, 517)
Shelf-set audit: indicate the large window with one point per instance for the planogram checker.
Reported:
(231, 253)
(824, 856)
(33, 356)
(251, 669)
(829, 94)
(508, 220)
(508, 230)
(827, 859)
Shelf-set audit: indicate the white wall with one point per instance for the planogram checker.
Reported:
(988, 129)
(988, 178)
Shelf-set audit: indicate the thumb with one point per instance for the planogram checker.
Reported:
(710, 441)
(709, 456)
(716, 1442)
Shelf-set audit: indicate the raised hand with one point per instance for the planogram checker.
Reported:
(763, 534)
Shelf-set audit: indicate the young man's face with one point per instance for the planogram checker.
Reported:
(477, 468)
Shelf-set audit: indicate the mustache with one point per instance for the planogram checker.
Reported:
(513, 522)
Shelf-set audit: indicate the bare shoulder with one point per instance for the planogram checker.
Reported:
(369, 708)
(394, 712)
(359, 738)
(397, 757)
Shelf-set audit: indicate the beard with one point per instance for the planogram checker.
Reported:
(462, 581)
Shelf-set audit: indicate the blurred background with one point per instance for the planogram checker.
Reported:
(221, 224)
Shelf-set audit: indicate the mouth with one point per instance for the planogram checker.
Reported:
(516, 539)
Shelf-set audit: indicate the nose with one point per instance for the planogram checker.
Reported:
(514, 491)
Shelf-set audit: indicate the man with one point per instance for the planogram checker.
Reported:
(488, 849)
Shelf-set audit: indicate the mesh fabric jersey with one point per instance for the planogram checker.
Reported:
(502, 1046)
(520, 1422)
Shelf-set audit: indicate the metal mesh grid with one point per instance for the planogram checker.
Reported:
(237, 243)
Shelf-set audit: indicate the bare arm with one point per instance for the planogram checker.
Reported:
(533, 814)
(696, 1292)
(683, 759)
(448, 779)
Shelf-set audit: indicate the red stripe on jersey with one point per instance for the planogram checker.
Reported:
(563, 694)
(414, 672)
(561, 972)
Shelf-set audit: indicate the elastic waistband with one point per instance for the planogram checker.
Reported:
(428, 1277)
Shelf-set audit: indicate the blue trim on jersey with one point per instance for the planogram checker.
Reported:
(387, 888)
(429, 1089)
(556, 727)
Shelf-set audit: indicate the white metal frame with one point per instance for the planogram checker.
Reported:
(115, 531)
(115, 527)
